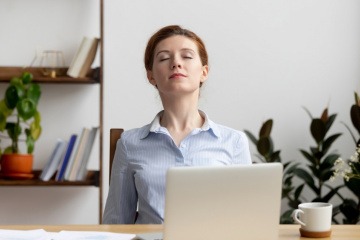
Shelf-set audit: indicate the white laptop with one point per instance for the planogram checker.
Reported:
(223, 202)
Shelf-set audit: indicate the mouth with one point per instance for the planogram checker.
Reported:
(177, 75)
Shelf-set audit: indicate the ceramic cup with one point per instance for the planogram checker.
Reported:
(314, 216)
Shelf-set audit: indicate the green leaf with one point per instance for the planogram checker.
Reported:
(18, 84)
(286, 217)
(291, 168)
(330, 194)
(288, 180)
(304, 175)
(315, 171)
(13, 130)
(329, 161)
(308, 156)
(264, 146)
(275, 157)
(329, 141)
(355, 116)
(350, 211)
(37, 118)
(11, 97)
(2, 121)
(30, 142)
(266, 129)
(26, 77)
(298, 191)
(34, 93)
(330, 122)
(354, 185)
(16, 81)
(4, 108)
(26, 108)
(318, 130)
(35, 130)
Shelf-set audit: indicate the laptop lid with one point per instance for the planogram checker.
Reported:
(226, 202)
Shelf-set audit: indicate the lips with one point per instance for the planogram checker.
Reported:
(177, 75)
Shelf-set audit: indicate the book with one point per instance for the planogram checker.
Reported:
(65, 160)
(81, 173)
(83, 58)
(72, 157)
(79, 154)
(53, 161)
(90, 58)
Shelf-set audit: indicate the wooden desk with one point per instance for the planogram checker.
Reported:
(286, 232)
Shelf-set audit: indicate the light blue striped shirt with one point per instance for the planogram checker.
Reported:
(143, 156)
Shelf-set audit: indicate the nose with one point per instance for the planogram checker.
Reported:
(176, 66)
(176, 63)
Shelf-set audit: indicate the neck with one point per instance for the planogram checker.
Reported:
(181, 113)
(181, 122)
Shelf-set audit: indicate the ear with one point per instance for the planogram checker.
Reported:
(205, 72)
(150, 77)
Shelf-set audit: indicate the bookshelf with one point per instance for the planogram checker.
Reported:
(94, 76)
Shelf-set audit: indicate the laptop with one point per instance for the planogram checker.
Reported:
(222, 202)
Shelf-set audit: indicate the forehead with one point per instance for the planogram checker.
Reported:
(174, 43)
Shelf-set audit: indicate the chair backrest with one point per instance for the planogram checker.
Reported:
(115, 134)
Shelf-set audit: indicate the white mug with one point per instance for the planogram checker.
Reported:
(314, 216)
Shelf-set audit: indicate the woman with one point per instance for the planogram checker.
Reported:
(176, 62)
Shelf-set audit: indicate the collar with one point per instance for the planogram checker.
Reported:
(155, 127)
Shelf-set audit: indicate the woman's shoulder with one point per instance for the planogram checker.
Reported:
(231, 135)
(226, 131)
(135, 133)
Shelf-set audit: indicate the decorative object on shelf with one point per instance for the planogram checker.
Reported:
(19, 122)
(17, 166)
(52, 63)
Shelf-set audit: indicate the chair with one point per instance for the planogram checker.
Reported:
(115, 134)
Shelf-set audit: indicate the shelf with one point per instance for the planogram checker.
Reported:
(92, 179)
(94, 76)
(6, 73)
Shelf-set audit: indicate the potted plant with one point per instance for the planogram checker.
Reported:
(19, 125)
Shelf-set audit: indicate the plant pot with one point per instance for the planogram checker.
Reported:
(16, 163)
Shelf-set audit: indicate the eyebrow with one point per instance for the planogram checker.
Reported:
(167, 51)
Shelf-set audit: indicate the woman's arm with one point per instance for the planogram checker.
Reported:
(121, 204)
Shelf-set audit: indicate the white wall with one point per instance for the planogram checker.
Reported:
(268, 59)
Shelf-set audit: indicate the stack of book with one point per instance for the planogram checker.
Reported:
(68, 161)
(84, 57)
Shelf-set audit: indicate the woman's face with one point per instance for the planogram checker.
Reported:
(177, 68)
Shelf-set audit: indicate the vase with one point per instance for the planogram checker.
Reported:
(16, 164)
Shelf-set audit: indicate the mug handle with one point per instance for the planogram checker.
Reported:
(295, 216)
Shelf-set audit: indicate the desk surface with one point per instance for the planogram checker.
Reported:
(286, 232)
